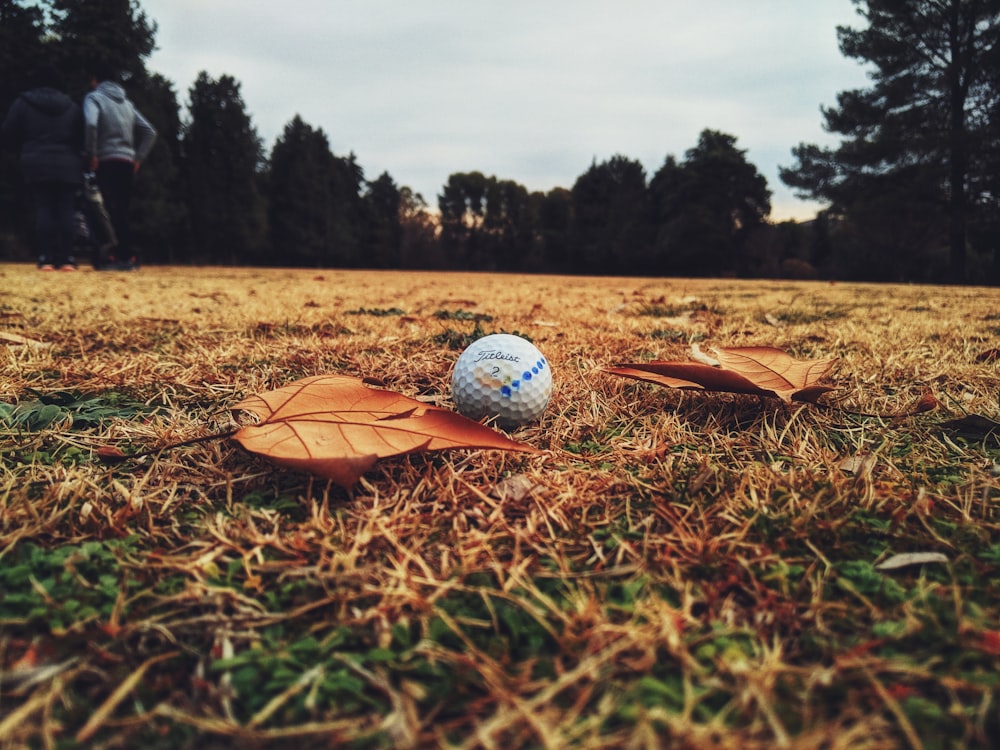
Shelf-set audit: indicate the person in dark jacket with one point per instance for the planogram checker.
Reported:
(46, 126)
(117, 138)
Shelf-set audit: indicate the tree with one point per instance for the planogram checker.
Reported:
(223, 159)
(384, 234)
(300, 191)
(317, 214)
(419, 245)
(509, 226)
(554, 212)
(610, 230)
(22, 46)
(349, 216)
(160, 219)
(462, 204)
(705, 209)
(487, 224)
(924, 120)
(115, 32)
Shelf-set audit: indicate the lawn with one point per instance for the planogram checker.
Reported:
(673, 568)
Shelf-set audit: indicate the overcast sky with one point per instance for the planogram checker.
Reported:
(528, 90)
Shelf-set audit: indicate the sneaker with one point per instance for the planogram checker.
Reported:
(68, 267)
(46, 267)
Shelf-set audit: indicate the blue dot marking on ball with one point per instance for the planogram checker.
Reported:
(505, 391)
(526, 375)
(515, 384)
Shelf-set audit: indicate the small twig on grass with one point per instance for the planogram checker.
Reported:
(21, 714)
(895, 709)
(305, 679)
(105, 710)
(927, 402)
(113, 455)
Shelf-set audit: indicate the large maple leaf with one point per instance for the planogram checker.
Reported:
(337, 427)
(757, 370)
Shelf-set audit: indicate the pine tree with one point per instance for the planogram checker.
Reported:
(22, 47)
(161, 221)
(610, 230)
(384, 231)
(223, 158)
(920, 127)
(705, 208)
(114, 32)
(300, 191)
(462, 204)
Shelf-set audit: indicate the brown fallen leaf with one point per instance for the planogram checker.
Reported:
(757, 370)
(337, 427)
(109, 454)
(927, 402)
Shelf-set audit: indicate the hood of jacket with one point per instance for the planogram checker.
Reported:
(48, 100)
(111, 90)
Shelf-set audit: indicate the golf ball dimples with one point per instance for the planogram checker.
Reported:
(502, 376)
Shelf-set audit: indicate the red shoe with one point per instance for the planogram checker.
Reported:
(46, 267)
(67, 267)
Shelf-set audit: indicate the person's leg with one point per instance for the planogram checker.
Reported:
(64, 198)
(114, 178)
(45, 224)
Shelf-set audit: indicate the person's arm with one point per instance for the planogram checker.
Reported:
(145, 137)
(91, 116)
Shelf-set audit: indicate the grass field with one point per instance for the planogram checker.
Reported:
(674, 569)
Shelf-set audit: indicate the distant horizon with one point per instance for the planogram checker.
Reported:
(805, 213)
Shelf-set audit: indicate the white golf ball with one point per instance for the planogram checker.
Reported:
(502, 376)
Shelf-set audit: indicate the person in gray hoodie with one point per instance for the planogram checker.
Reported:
(117, 139)
(46, 126)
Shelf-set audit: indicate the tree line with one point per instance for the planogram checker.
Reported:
(911, 189)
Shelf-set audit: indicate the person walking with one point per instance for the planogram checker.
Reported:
(117, 139)
(46, 126)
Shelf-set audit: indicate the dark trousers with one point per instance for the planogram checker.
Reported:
(54, 203)
(114, 179)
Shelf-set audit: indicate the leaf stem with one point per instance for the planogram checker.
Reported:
(171, 446)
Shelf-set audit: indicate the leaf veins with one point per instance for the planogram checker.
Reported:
(756, 370)
(337, 427)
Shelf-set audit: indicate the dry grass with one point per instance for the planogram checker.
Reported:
(680, 568)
